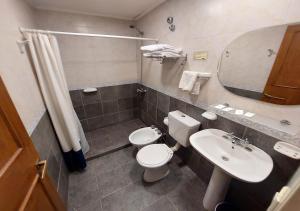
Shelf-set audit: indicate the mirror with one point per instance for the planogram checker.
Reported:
(264, 65)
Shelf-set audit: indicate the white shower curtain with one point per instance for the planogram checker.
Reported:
(48, 66)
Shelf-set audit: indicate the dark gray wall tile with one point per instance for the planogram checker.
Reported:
(53, 168)
(126, 91)
(177, 105)
(152, 96)
(76, 97)
(84, 125)
(92, 110)
(109, 93)
(160, 118)
(127, 115)
(96, 122)
(110, 107)
(143, 105)
(152, 111)
(63, 183)
(47, 145)
(163, 102)
(127, 103)
(109, 119)
(90, 98)
(40, 136)
(194, 112)
(80, 112)
(228, 126)
(108, 100)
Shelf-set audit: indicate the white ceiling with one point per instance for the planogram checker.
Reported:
(122, 9)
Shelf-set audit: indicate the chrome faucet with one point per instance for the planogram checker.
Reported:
(237, 141)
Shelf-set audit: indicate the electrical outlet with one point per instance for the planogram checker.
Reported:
(200, 55)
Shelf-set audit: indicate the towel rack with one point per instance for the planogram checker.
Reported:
(162, 59)
(204, 75)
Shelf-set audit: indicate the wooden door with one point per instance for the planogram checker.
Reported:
(283, 85)
(24, 185)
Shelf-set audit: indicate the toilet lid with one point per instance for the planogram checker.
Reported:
(154, 155)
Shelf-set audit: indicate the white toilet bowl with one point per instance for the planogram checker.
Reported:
(154, 159)
(144, 136)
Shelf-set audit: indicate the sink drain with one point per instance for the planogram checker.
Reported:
(225, 158)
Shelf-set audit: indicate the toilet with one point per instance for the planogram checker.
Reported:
(154, 157)
(144, 136)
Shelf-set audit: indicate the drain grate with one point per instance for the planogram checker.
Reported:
(225, 158)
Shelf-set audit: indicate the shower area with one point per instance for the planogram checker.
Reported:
(102, 66)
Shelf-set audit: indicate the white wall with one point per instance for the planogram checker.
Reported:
(15, 68)
(248, 65)
(210, 26)
(93, 62)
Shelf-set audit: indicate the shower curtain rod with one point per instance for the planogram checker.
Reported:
(87, 34)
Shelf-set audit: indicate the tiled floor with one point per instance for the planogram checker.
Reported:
(109, 138)
(114, 183)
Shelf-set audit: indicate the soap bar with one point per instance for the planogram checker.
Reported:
(239, 112)
(220, 106)
(209, 115)
(249, 114)
(228, 109)
(90, 89)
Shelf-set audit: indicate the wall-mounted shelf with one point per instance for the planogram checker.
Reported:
(162, 59)
(287, 149)
(204, 75)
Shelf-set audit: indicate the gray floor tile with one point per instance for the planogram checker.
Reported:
(162, 204)
(116, 179)
(98, 146)
(113, 160)
(92, 206)
(188, 195)
(112, 137)
(133, 197)
(83, 188)
(114, 182)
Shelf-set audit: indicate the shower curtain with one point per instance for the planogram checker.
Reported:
(49, 70)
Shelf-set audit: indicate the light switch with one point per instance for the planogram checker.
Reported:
(200, 55)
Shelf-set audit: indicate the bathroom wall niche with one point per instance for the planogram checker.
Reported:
(264, 65)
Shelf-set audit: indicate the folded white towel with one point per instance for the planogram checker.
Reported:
(165, 54)
(157, 47)
(188, 80)
(161, 54)
(175, 50)
(196, 88)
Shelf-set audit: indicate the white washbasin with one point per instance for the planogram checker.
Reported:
(242, 164)
(249, 166)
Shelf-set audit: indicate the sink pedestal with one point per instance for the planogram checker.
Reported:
(217, 188)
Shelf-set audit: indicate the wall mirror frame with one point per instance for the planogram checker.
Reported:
(264, 65)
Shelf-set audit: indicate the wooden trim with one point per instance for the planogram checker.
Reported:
(288, 87)
(14, 121)
(10, 162)
(29, 193)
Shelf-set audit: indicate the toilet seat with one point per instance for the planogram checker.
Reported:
(154, 155)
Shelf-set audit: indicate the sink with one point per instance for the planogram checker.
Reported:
(249, 165)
